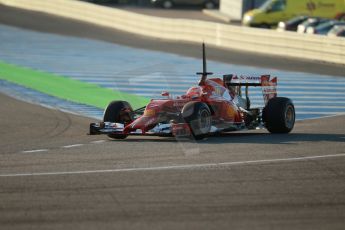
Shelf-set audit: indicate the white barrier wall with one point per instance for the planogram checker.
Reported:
(232, 8)
(289, 44)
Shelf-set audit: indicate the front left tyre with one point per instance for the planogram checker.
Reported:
(198, 116)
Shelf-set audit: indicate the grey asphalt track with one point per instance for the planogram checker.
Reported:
(83, 182)
(54, 176)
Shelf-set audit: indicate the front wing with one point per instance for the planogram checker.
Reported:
(172, 129)
(118, 128)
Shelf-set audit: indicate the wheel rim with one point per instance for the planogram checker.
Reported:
(290, 117)
(204, 121)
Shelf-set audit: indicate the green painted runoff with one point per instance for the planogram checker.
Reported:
(66, 88)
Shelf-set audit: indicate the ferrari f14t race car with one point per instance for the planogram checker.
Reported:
(214, 105)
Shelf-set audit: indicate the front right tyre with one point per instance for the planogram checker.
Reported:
(117, 112)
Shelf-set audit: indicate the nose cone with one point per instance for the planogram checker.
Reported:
(150, 118)
(143, 123)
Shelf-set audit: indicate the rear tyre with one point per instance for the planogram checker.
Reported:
(279, 115)
(116, 112)
(198, 116)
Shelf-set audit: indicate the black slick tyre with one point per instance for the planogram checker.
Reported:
(198, 116)
(279, 115)
(116, 112)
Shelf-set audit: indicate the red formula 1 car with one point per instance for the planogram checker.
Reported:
(215, 105)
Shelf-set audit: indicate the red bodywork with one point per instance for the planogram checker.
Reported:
(222, 97)
(214, 105)
(213, 93)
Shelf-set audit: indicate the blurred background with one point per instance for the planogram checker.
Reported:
(324, 17)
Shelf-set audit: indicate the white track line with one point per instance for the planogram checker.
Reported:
(35, 151)
(64, 147)
(97, 142)
(72, 146)
(176, 167)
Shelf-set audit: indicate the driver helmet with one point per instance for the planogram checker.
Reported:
(194, 91)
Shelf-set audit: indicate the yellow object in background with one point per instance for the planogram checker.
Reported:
(274, 11)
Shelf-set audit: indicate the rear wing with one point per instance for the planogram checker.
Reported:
(269, 87)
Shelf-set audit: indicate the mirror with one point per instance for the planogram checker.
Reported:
(165, 94)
